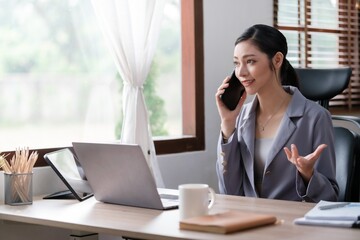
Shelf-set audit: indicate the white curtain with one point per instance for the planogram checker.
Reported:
(131, 28)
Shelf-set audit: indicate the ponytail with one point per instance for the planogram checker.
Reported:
(288, 75)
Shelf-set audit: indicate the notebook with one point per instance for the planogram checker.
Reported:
(332, 214)
(227, 222)
(65, 165)
(335, 211)
(119, 174)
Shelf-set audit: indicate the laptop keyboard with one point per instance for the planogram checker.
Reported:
(169, 196)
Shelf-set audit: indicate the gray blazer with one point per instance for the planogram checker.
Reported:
(305, 124)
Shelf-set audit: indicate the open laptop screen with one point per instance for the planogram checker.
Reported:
(119, 174)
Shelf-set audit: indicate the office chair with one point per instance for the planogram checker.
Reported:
(346, 143)
(353, 124)
(321, 85)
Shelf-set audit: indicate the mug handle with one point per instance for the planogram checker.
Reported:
(212, 198)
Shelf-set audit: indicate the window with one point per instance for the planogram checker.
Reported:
(323, 34)
(57, 79)
(192, 83)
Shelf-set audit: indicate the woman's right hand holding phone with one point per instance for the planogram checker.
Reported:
(228, 117)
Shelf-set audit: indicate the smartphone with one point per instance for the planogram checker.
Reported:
(233, 92)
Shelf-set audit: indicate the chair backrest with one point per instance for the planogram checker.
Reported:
(353, 124)
(321, 85)
(345, 149)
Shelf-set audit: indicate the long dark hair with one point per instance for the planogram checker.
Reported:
(269, 40)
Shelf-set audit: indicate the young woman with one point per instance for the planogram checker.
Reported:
(280, 145)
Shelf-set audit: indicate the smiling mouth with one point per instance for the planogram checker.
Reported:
(247, 82)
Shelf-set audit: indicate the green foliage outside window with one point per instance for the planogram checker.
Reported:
(155, 105)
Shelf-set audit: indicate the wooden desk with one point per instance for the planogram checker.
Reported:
(93, 216)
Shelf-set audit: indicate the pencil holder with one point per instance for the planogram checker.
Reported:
(18, 188)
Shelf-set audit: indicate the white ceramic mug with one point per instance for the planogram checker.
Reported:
(195, 200)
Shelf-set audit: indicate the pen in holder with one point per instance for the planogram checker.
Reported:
(18, 177)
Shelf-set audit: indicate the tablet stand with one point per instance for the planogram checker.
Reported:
(66, 194)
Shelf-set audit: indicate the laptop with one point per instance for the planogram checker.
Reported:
(66, 166)
(119, 174)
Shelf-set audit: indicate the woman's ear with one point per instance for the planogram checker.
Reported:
(278, 60)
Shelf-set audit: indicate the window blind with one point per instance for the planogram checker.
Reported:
(323, 34)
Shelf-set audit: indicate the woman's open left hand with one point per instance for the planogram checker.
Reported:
(305, 165)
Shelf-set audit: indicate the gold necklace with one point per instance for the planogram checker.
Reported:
(262, 128)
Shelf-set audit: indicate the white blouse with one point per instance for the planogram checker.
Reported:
(262, 148)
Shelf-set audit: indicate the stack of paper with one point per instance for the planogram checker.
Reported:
(334, 214)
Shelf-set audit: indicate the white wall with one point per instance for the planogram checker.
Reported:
(224, 21)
